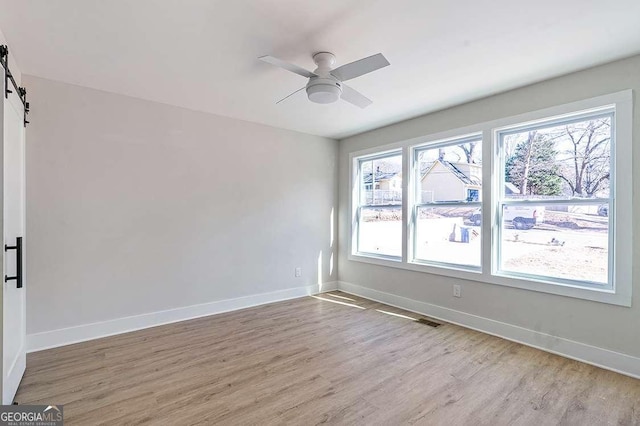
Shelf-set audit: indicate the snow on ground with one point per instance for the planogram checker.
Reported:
(568, 245)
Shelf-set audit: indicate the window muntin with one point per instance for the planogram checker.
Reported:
(554, 200)
(446, 211)
(379, 208)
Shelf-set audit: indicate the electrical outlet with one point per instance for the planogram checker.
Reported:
(457, 291)
(298, 272)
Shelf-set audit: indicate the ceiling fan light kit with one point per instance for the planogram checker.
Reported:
(325, 84)
(323, 91)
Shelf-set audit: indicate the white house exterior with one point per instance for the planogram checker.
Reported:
(383, 188)
(447, 181)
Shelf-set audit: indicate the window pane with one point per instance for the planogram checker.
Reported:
(380, 231)
(452, 173)
(380, 213)
(559, 161)
(381, 181)
(557, 241)
(448, 235)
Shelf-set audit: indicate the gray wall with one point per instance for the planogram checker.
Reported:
(137, 207)
(607, 326)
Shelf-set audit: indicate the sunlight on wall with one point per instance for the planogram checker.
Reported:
(331, 227)
(320, 271)
(331, 265)
(331, 238)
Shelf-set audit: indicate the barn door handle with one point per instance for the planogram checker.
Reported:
(18, 249)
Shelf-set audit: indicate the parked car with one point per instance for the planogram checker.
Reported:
(521, 217)
(476, 217)
(603, 209)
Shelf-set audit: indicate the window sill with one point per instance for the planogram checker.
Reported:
(376, 259)
(603, 295)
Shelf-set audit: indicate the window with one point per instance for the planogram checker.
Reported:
(448, 178)
(541, 201)
(555, 198)
(379, 206)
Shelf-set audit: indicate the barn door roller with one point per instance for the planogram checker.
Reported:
(8, 77)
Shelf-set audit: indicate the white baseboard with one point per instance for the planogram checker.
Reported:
(604, 358)
(66, 336)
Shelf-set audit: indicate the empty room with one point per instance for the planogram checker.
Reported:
(270, 212)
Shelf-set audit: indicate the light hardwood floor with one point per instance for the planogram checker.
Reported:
(333, 358)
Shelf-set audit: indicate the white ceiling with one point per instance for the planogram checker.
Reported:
(201, 54)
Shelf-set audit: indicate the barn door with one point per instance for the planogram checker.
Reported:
(13, 218)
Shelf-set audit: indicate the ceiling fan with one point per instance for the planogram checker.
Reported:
(325, 84)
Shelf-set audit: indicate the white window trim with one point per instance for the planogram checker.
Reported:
(499, 171)
(412, 202)
(354, 196)
(621, 203)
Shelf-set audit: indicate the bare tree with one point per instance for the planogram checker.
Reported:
(527, 162)
(586, 168)
(469, 150)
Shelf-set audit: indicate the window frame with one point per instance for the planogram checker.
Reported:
(502, 200)
(356, 201)
(621, 214)
(415, 205)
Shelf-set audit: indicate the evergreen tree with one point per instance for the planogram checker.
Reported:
(532, 166)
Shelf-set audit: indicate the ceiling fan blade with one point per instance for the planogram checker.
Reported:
(288, 96)
(287, 66)
(354, 97)
(361, 67)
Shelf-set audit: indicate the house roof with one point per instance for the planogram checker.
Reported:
(456, 172)
(511, 188)
(367, 178)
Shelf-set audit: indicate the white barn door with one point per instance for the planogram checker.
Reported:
(13, 224)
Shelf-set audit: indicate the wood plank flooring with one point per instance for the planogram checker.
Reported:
(332, 358)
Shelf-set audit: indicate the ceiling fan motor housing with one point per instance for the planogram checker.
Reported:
(324, 90)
